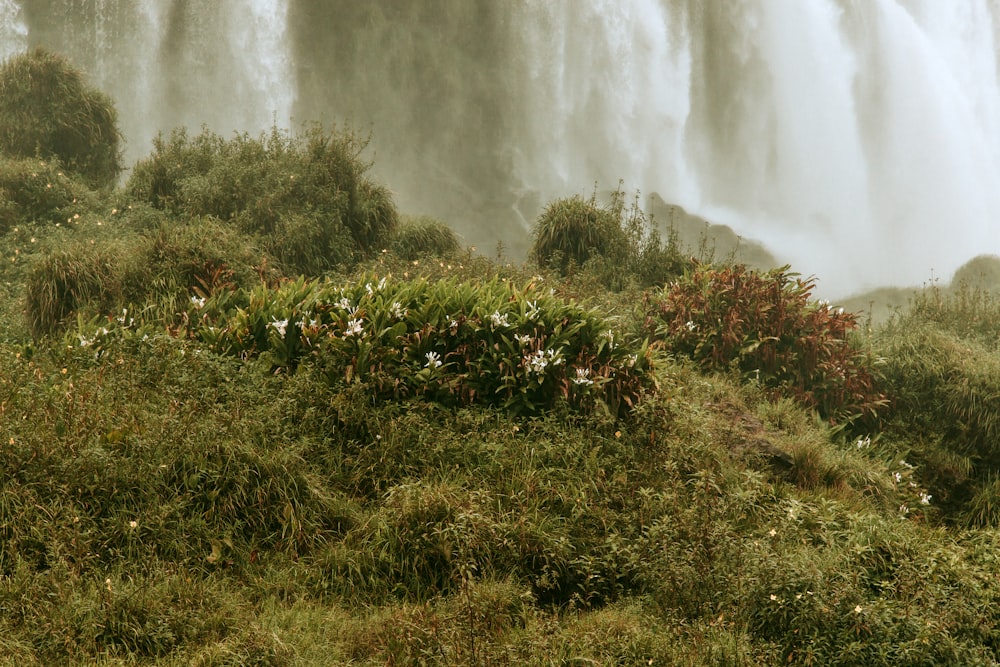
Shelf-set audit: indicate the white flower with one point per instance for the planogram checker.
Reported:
(453, 325)
(583, 377)
(280, 326)
(498, 319)
(433, 360)
(631, 360)
(86, 342)
(354, 328)
(857, 610)
(198, 301)
(523, 339)
(691, 326)
(925, 498)
(864, 442)
(133, 524)
(898, 477)
(344, 303)
(397, 310)
(532, 310)
(840, 311)
(536, 362)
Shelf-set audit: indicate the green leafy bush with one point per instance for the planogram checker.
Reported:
(306, 197)
(47, 111)
(456, 343)
(767, 327)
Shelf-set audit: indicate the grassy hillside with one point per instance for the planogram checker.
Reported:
(252, 415)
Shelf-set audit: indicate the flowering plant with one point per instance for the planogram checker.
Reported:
(456, 343)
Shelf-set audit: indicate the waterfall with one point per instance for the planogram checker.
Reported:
(172, 63)
(858, 140)
(13, 32)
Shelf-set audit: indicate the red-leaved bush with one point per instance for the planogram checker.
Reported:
(766, 326)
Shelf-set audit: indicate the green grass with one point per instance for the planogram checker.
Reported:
(209, 458)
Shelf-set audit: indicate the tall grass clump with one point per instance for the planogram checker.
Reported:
(615, 241)
(423, 236)
(767, 327)
(48, 111)
(35, 190)
(942, 371)
(306, 197)
(571, 231)
(156, 269)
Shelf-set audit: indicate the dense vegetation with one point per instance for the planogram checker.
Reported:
(248, 417)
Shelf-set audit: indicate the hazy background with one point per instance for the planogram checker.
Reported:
(858, 140)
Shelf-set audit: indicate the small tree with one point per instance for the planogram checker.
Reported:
(47, 111)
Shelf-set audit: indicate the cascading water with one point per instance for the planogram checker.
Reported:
(858, 139)
(172, 63)
(13, 32)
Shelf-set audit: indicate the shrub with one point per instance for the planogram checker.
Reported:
(163, 264)
(942, 372)
(571, 231)
(68, 279)
(423, 236)
(306, 197)
(47, 111)
(33, 190)
(454, 343)
(765, 326)
(616, 242)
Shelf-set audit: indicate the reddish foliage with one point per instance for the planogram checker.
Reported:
(766, 326)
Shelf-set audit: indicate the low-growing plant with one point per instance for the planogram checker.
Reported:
(456, 343)
(67, 280)
(48, 111)
(767, 327)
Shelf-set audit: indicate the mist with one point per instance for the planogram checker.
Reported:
(858, 141)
